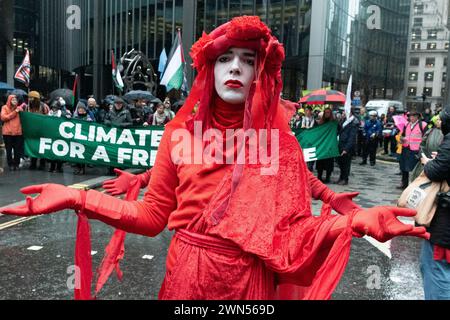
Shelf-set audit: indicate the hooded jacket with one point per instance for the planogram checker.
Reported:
(11, 120)
(119, 118)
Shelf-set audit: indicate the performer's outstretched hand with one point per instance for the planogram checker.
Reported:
(381, 223)
(121, 184)
(52, 198)
(343, 203)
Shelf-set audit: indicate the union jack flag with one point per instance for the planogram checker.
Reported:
(23, 74)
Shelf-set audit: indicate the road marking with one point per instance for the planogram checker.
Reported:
(386, 162)
(385, 248)
(35, 248)
(93, 253)
(15, 222)
(148, 257)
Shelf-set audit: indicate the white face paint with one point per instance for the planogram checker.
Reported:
(234, 73)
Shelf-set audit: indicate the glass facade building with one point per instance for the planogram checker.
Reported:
(375, 56)
(24, 33)
(325, 41)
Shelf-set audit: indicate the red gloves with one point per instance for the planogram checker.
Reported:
(122, 183)
(52, 198)
(342, 203)
(381, 223)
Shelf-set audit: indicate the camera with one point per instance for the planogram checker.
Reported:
(443, 200)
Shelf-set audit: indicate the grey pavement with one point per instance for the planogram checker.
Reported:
(43, 274)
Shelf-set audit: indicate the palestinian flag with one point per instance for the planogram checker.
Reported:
(117, 77)
(23, 74)
(173, 77)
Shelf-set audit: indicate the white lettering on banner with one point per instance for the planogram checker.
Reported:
(140, 158)
(156, 138)
(62, 130)
(124, 154)
(78, 134)
(45, 144)
(77, 150)
(126, 137)
(61, 148)
(310, 154)
(110, 137)
(63, 145)
(101, 154)
(142, 135)
(91, 136)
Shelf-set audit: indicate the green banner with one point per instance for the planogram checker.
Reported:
(89, 143)
(320, 142)
(92, 143)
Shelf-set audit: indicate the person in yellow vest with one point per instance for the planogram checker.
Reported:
(411, 139)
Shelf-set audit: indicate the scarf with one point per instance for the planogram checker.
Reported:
(348, 121)
(158, 119)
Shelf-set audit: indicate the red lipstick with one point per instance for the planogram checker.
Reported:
(235, 84)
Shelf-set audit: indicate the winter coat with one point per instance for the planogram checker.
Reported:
(121, 118)
(438, 170)
(347, 136)
(373, 128)
(11, 120)
(139, 115)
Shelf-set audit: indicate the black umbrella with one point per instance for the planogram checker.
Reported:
(66, 94)
(139, 95)
(109, 99)
(18, 93)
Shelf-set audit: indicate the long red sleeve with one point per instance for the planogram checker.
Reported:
(319, 191)
(147, 217)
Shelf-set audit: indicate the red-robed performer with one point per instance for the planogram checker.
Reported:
(240, 234)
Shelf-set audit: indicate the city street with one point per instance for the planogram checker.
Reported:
(36, 254)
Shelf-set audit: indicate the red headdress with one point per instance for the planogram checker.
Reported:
(264, 108)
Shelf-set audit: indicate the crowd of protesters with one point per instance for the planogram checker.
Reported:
(366, 134)
(112, 111)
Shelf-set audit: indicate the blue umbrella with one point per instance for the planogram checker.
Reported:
(5, 86)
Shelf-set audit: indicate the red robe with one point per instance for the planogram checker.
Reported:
(267, 236)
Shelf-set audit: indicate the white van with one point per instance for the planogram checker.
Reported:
(382, 106)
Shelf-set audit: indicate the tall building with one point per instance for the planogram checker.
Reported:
(428, 56)
(18, 32)
(325, 41)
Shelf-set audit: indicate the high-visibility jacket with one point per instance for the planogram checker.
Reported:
(413, 136)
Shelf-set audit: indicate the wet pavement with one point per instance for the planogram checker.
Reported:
(44, 273)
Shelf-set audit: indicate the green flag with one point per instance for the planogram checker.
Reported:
(320, 142)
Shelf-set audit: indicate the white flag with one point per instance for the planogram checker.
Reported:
(348, 101)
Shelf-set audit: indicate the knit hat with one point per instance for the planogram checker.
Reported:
(34, 95)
